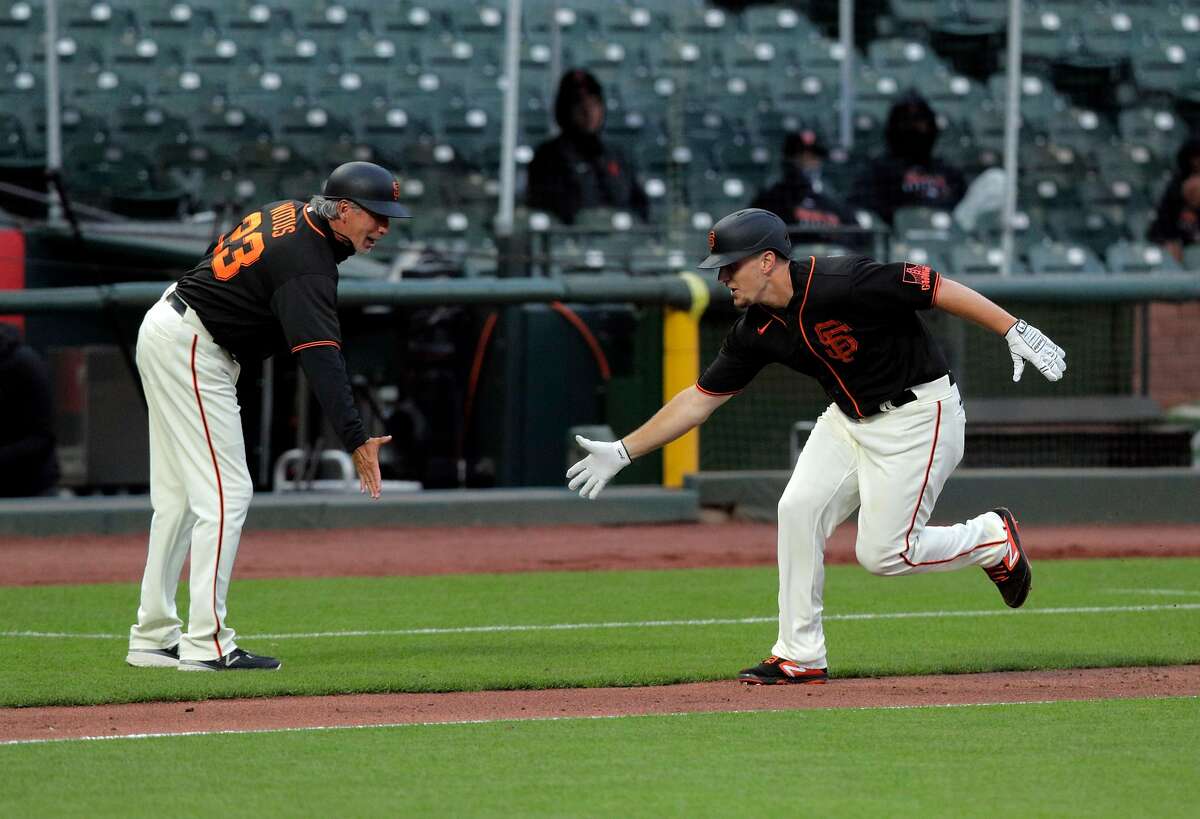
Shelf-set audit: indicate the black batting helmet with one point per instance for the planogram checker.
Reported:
(367, 185)
(744, 233)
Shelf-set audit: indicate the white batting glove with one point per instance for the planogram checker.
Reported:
(593, 473)
(1028, 343)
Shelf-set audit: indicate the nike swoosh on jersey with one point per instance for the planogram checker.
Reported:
(763, 329)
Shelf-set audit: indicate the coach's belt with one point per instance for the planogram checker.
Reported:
(911, 394)
(190, 317)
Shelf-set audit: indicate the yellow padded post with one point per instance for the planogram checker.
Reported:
(681, 368)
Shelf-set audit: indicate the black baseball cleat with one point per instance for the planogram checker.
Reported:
(778, 671)
(236, 660)
(1013, 575)
(153, 657)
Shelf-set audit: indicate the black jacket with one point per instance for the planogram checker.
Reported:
(28, 465)
(1175, 221)
(576, 169)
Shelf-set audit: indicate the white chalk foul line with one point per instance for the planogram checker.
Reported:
(310, 728)
(735, 621)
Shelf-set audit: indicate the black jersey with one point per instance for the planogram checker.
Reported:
(851, 324)
(271, 283)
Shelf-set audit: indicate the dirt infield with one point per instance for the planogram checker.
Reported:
(25, 724)
(449, 550)
(380, 552)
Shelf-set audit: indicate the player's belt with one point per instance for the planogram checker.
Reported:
(177, 304)
(908, 396)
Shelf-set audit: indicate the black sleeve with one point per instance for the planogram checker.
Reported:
(884, 287)
(639, 202)
(326, 371)
(547, 186)
(306, 307)
(735, 365)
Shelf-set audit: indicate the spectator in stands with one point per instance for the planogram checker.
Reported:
(1177, 222)
(801, 197)
(27, 462)
(576, 169)
(908, 174)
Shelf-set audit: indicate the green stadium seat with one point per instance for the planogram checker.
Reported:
(936, 257)
(1139, 257)
(1092, 227)
(148, 126)
(1029, 228)
(1154, 126)
(1191, 258)
(920, 12)
(13, 142)
(919, 224)
(989, 11)
(973, 257)
(1063, 257)
(1114, 33)
(1166, 67)
(1050, 31)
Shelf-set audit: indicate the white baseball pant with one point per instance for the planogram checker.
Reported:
(892, 467)
(199, 484)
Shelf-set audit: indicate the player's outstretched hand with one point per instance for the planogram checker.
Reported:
(1028, 343)
(593, 473)
(366, 463)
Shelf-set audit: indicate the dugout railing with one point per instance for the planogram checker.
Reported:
(1128, 400)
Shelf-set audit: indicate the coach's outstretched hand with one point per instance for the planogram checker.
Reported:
(1028, 343)
(366, 463)
(593, 473)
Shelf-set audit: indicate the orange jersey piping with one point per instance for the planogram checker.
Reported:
(308, 344)
(310, 222)
(800, 319)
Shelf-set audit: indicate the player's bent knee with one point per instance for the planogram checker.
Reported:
(876, 558)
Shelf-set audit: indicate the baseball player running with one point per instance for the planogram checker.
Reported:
(887, 443)
(270, 281)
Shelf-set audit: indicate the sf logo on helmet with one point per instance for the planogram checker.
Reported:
(712, 240)
(395, 190)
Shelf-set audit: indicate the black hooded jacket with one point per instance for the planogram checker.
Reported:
(1175, 221)
(909, 175)
(28, 465)
(576, 169)
(794, 201)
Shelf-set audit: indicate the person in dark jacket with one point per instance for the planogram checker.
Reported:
(1177, 222)
(576, 169)
(909, 174)
(28, 465)
(801, 197)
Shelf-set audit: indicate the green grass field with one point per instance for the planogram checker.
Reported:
(602, 628)
(1117, 758)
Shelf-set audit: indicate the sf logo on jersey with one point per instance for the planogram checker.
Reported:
(835, 336)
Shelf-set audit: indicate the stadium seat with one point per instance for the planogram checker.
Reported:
(1050, 31)
(1191, 258)
(1063, 257)
(1091, 226)
(1155, 126)
(919, 224)
(1164, 67)
(1139, 257)
(919, 253)
(973, 257)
